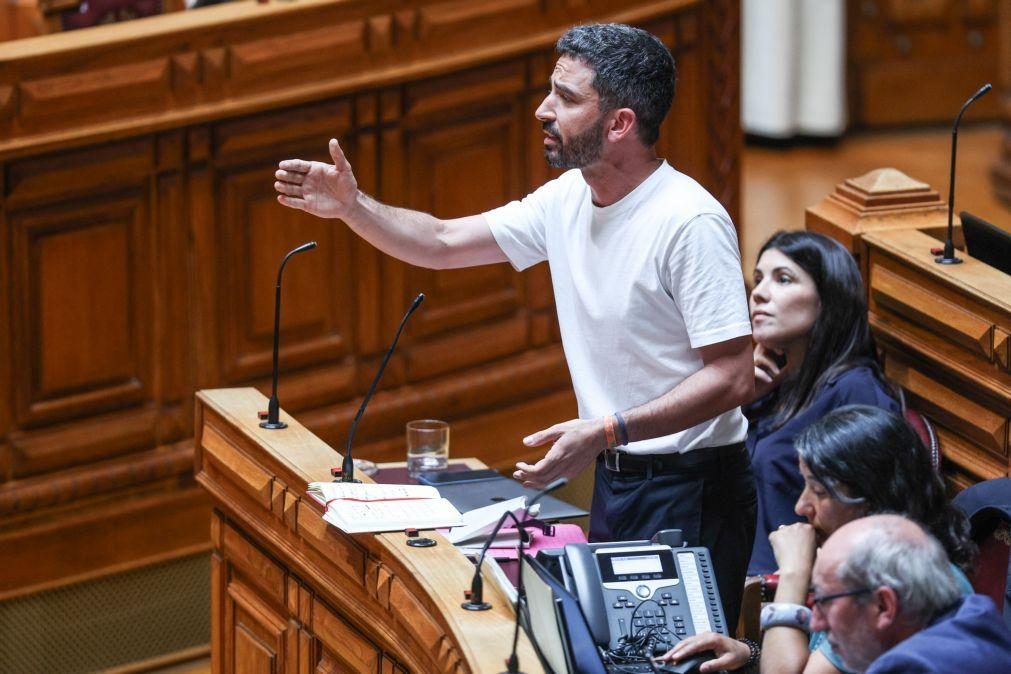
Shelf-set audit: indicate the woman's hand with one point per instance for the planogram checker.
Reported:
(770, 367)
(794, 546)
(730, 653)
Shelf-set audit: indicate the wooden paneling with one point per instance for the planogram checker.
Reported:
(911, 60)
(142, 236)
(339, 647)
(84, 274)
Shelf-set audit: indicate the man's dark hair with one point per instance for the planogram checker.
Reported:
(869, 456)
(633, 69)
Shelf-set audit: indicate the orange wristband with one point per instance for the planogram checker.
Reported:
(612, 439)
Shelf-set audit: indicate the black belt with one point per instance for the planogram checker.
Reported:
(622, 462)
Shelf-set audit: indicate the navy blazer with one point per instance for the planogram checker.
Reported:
(774, 458)
(970, 637)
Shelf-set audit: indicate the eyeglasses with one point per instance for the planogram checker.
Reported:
(821, 600)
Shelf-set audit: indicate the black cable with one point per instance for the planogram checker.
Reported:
(632, 647)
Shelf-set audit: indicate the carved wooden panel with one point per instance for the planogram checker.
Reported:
(82, 269)
(140, 87)
(257, 233)
(451, 126)
(909, 60)
(892, 292)
(952, 409)
(308, 54)
(340, 648)
(258, 632)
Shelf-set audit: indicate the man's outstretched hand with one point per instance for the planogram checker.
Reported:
(575, 444)
(324, 190)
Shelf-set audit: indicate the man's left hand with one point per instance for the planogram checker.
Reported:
(576, 444)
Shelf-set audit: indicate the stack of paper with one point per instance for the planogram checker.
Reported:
(478, 526)
(356, 508)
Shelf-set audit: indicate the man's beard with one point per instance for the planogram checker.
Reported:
(579, 151)
(861, 649)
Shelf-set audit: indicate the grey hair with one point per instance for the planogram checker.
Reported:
(632, 69)
(915, 567)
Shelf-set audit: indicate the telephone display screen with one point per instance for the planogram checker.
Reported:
(636, 564)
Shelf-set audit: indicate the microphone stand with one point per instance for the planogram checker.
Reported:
(475, 602)
(273, 421)
(513, 663)
(949, 245)
(348, 466)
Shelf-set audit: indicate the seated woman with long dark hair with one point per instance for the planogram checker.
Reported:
(813, 354)
(858, 460)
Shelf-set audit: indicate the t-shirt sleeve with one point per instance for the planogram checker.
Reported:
(519, 227)
(705, 280)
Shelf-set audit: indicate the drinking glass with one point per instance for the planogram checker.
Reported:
(427, 446)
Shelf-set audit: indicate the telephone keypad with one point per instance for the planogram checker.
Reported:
(661, 605)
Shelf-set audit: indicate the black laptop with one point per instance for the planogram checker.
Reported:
(987, 243)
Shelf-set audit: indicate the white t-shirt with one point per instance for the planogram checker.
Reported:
(639, 286)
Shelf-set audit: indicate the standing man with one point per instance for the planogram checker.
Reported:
(885, 593)
(648, 288)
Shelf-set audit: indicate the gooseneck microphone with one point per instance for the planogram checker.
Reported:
(512, 663)
(273, 421)
(949, 245)
(348, 467)
(475, 599)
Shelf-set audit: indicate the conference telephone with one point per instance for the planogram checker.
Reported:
(639, 598)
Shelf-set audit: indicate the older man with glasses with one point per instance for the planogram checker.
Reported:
(884, 591)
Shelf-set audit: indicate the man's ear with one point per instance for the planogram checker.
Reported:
(886, 608)
(623, 123)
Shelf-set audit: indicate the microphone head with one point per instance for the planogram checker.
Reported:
(556, 484)
(418, 300)
(979, 92)
(309, 245)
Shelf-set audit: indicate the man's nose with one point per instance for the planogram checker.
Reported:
(818, 622)
(543, 112)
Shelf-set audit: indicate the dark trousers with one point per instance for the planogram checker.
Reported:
(709, 494)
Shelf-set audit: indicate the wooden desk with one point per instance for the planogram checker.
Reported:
(291, 593)
(944, 331)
